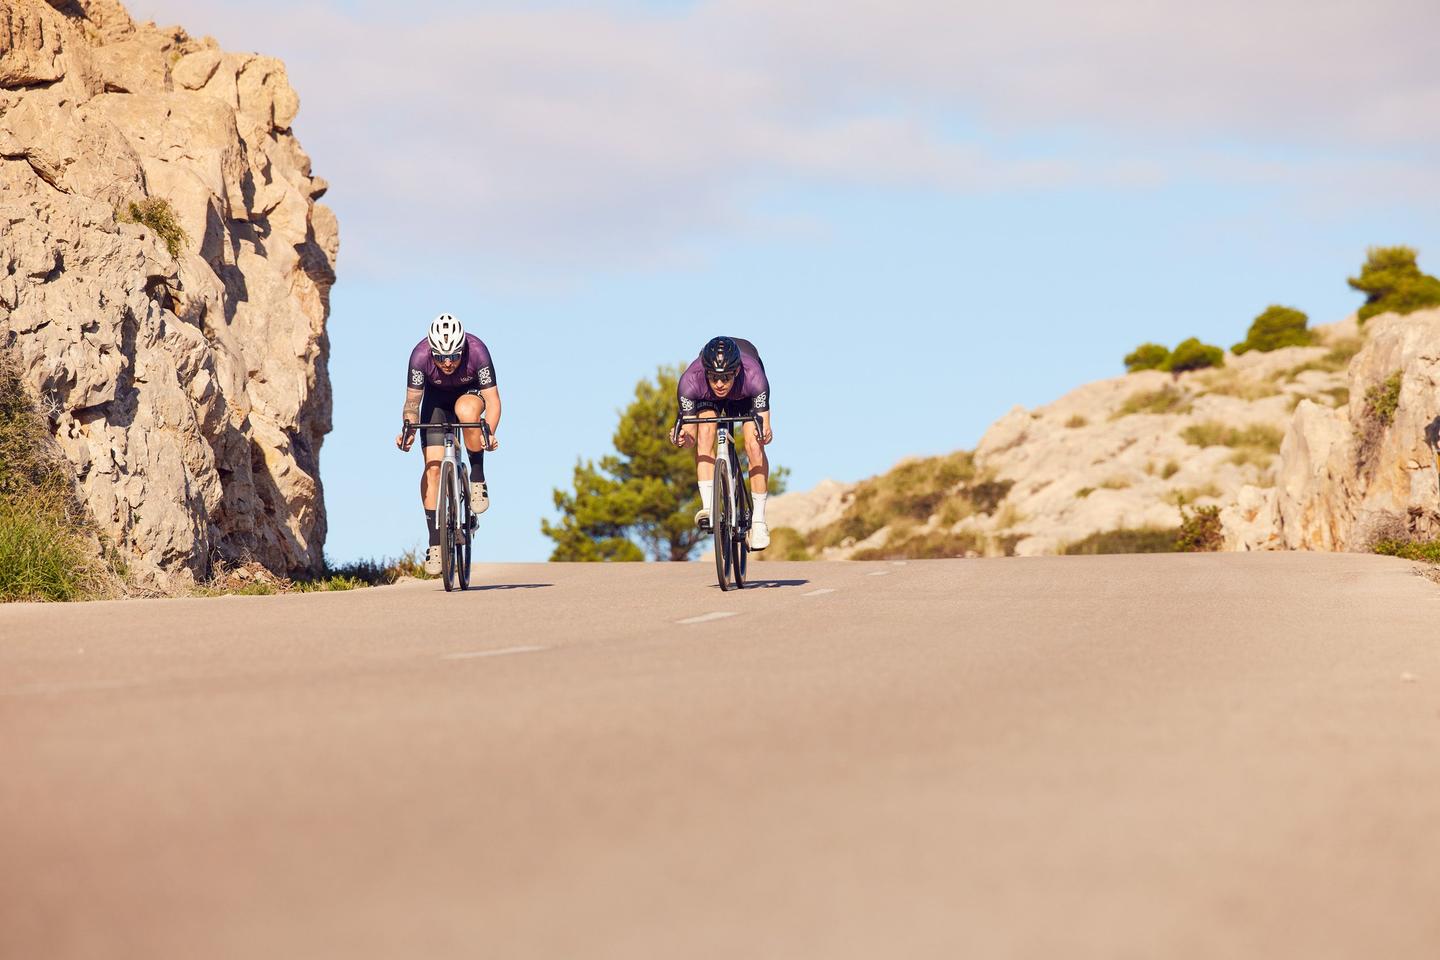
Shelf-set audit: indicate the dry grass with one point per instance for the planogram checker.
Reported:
(1167, 400)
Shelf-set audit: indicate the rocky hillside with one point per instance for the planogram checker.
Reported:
(1317, 447)
(166, 285)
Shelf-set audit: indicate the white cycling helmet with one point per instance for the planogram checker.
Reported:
(446, 335)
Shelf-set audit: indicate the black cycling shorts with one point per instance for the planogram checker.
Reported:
(438, 406)
(740, 407)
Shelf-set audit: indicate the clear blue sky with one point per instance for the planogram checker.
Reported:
(922, 215)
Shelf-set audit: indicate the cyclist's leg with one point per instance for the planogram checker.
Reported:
(433, 410)
(759, 486)
(468, 409)
(705, 464)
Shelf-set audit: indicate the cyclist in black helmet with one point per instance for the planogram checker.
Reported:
(727, 379)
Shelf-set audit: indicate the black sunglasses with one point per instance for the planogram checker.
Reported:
(448, 357)
(720, 377)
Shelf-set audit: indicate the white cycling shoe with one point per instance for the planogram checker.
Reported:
(759, 535)
(702, 519)
(432, 561)
(479, 497)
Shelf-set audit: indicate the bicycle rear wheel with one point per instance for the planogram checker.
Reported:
(464, 534)
(720, 524)
(445, 520)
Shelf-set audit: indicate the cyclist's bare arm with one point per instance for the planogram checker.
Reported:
(491, 396)
(411, 414)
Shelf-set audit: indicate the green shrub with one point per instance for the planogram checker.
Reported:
(1214, 434)
(1076, 422)
(1275, 328)
(1383, 399)
(43, 551)
(1392, 283)
(157, 214)
(1084, 492)
(1425, 550)
(1147, 356)
(1200, 530)
(1165, 400)
(1193, 355)
(42, 556)
(1124, 540)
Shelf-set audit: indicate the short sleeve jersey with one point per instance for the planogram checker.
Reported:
(475, 369)
(694, 391)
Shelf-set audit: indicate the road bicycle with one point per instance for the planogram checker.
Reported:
(452, 507)
(731, 505)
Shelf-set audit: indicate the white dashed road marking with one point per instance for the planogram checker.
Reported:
(816, 593)
(879, 573)
(706, 617)
(502, 652)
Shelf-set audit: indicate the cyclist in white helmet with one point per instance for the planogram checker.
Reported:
(451, 377)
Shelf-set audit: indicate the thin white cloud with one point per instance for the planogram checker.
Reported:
(561, 129)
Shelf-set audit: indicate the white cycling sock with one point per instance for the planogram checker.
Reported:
(707, 494)
(759, 514)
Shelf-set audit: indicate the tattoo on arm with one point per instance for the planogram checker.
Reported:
(412, 405)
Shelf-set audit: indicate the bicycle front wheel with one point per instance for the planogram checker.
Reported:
(720, 523)
(465, 534)
(445, 519)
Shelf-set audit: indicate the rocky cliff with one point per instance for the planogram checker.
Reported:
(181, 359)
(1326, 447)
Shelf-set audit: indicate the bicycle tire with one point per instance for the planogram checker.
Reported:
(465, 534)
(720, 525)
(445, 520)
(739, 559)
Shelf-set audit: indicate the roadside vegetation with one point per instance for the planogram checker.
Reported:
(253, 580)
(47, 545)
(1125, 540)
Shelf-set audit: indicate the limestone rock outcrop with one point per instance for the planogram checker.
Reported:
(1124, 454)
(1367, 470)
(189, 389)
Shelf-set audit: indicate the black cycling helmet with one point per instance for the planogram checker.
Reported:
(721, 357)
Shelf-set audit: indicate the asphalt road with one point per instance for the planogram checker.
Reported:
(1217, 756)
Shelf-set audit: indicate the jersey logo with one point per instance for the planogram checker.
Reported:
(760, 399)
(417, 378)
(486, 377)
(687, 404)
(466, 379)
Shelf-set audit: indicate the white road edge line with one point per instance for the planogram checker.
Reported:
(816, 593)
(879, 573)
(502, 652)
(706, 617)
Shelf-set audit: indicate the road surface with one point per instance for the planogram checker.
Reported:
(1110, 757)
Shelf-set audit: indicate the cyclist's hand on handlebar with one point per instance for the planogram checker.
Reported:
(494, 443)
(766, 435)
(679, 437)
(406, 439)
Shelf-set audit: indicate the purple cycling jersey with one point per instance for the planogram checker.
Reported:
(694, 391)
(475, 369)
